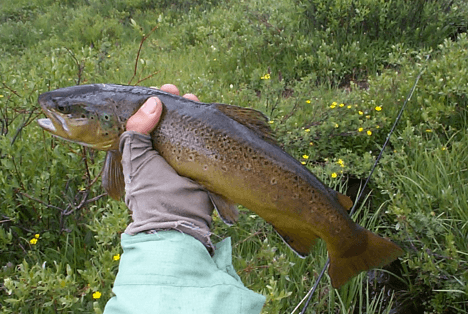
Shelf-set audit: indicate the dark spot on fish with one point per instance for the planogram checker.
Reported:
(224, 168)
(191, 157)
(205, 167)
(273, 181)
(83, 116)
(106, 117)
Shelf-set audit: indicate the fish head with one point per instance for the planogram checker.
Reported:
(79, 114)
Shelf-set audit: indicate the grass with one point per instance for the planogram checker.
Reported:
(311, 55)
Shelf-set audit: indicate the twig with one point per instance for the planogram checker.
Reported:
(80, 66)
(40, 201)
(11, 90)
(148, 77)
(138, 53)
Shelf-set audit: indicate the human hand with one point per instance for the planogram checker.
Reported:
(147, 117)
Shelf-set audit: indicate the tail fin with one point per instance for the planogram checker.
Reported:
(371, 251)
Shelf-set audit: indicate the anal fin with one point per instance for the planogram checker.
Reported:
(226, 209)
(112, 175)
(299, 240)
(345, 201)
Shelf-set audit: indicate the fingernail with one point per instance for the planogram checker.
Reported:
(149, 107)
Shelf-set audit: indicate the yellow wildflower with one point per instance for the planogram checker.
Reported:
(116, 257)
(340, 162)
(333, 105)
(1, 96)
(349, 107)
(361, 113)
(97, 295)
(271, 121)
(303, 162)
(361, 129)
(265, 77)
(33, 241)
(368, 117)
(444, 148)
(308, 101)
(429, 131)
(37, 235)
(341, 105)
(307, 130)
(378, 108)
(369, 132)
(311, 144)
(336, 125)
(334, 175)
(305, 156)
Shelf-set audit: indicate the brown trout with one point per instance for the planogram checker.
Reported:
(232, 153)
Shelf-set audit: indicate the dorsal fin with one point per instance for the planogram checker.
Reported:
(251, 118)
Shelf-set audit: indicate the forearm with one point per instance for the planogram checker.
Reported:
(159, 198)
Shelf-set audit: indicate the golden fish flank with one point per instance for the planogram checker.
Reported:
(232, 153)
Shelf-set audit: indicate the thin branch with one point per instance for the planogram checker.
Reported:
(11, 90)
(148, 77)
(79, 65)
(40, 201)
(138, 53)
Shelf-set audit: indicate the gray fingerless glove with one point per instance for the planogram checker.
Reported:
(158, 197)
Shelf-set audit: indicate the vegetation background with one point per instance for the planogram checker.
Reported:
(330, 74)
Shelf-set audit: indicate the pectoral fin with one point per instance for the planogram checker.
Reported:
(299, 240)
(112, 175)
(227, 210)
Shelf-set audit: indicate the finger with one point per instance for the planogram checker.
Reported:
(147, 117)
(170, 88)
(191, 97)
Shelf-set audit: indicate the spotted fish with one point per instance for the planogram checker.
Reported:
(231, 152)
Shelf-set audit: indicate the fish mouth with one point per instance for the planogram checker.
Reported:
(54, 124)
(75, 130)
(47, 125)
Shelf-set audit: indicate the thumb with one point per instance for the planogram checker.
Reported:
(147, 117)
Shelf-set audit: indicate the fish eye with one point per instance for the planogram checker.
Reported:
(61, 108)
